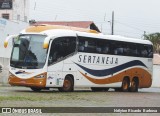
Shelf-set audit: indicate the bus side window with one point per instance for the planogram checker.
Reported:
(119, 49)
(98, 46)
(69, 45)
(91, 46)
(60, 48)
(87, 44)
(144, 51)
(98, 49)
(112, 48)
(52, 53)
(126, 49)
(150, 51)
(102, 46)
(105, 49)
(81, 45)
(133, 50)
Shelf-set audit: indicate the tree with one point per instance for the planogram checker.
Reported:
(155, 39)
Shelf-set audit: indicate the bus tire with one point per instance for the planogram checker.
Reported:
(125, 85)
(68, 85)
(36, 89)
(96, 89)
(134, 85)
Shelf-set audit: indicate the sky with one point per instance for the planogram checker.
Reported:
(132, 17)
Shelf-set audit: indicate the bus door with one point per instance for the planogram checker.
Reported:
(62, 49)
(55, 64)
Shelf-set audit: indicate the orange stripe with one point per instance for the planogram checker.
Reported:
(40, 28)
(143, 75)
(31, 82)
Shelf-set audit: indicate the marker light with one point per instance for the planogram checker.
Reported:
(46, 42)
(45, 45)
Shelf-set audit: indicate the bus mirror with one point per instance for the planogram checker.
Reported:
(5, 44)
(8, 38)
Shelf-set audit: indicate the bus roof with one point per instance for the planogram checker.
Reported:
(70, 31)
(45, 27)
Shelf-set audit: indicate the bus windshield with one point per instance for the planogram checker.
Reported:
(28, 52)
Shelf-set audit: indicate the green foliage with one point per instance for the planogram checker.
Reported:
(155, 39)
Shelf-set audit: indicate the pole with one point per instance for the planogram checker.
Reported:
(112, 31)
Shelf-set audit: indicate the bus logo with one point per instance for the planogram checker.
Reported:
(6, 110)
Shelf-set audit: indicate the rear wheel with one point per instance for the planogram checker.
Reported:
(125, 84)
(96, 89)
(68, 85)
(134, 85)
(36, 89)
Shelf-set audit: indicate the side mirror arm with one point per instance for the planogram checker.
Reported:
(7, 39)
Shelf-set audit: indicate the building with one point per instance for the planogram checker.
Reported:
(81, 24)
(13, 18)
(15, 10)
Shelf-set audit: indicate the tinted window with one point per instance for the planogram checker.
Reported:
(87, 45)
(146, 51)
(61, 48)
(102, 46)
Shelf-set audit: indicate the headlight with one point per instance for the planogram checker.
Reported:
(40, 76)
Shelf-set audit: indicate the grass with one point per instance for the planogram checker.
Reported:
(42, 98)
(46, 96)
(16, 98)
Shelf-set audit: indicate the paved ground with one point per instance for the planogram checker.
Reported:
(24, 97)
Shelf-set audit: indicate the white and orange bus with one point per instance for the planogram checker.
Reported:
(49, 56)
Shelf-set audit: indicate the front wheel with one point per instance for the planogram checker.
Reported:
(68, 85)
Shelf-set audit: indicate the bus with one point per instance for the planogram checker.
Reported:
(50, 56)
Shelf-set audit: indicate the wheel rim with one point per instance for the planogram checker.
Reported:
(133, 85)
(125, 85)
(67, 84)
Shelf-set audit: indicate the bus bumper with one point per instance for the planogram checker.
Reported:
(31, 82)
